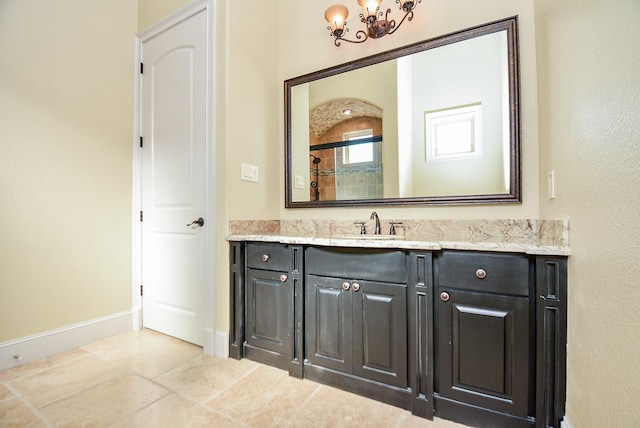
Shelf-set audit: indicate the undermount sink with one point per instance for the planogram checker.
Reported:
(367, 237)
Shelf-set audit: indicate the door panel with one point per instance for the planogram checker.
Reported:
(329, 309)
(380, 332)
(483, 347)
(173, 174)
(269, 303)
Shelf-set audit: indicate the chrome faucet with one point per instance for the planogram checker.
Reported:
(374, 215)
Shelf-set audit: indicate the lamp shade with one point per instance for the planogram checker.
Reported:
(369, 6)
(336, 16)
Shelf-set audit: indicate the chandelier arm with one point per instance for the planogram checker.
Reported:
(393, 27)
(360, 34)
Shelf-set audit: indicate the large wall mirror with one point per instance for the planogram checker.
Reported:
(432, 123)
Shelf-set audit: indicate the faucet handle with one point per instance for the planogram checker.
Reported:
(363, 227)
(392, 226)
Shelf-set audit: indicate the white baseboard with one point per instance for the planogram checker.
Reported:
(208, 342)
(222, 344)
(216, 344)
(136, 319)
(565, 423)
(42, 345)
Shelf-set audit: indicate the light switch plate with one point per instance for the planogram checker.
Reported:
(248, 172)
(551, 181)
(299, 182)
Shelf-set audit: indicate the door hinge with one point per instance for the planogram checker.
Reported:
(141, 216)
(141, 141)
(141, 68)
(141, 290)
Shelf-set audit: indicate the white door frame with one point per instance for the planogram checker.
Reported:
(210, 345)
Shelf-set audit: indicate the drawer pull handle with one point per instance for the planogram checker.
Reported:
(444, 296)
(481, 274)
(355, 287)
(283, 278)
(265, 258)
(346, 286)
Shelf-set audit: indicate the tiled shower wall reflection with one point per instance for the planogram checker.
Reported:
(337, 180)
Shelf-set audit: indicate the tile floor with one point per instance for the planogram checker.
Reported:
(146, 379)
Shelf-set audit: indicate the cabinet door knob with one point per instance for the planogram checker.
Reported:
(283, 278)
(346, 286)
(355, 287)
(265, 258)
(481, 274)
(444, 296)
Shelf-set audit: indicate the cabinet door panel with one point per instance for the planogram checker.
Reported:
(479, 340)
(269, 308)
(380, 332)
(328, 323)
(484, 355)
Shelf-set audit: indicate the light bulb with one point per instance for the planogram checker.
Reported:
(336, 16)
(369, 6)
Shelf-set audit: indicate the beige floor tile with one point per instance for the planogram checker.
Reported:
(128, 344)
(331, 407)
(204, 376)
(267, 397)
(410, 421)
(173, 411)
(104, 403)
(151, 361)
(51, 384)
(14, 413)
(5, 393)
(38, 366)
(145, 379)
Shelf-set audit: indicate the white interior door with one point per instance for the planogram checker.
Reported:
(173, 179)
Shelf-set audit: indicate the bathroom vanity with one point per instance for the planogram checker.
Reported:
(474, 336)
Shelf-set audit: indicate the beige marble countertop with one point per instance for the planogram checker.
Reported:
(511, 245)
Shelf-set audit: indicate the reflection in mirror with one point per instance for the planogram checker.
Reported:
(431, 123)
(346, 134)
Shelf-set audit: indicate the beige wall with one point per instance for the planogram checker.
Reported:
(247, 123)
(252, 107)
(65, 162)
(589, 73)
(152, 11)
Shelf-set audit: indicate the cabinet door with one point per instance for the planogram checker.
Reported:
(483, 348)
(380, 332)
(329, 323)
(269, 309)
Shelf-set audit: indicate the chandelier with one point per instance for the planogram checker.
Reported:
(377, 24)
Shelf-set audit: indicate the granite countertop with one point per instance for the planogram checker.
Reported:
(511, 245)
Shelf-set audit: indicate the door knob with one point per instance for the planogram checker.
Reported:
(199, 222)
(444, 296)
(346, 286)
(355, 287)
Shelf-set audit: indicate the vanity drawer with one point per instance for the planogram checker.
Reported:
(498, 273)
(357, 263)
(268, 256)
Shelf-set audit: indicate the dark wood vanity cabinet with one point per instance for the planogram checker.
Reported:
(356, 320)
(359, 331)
(264, 296)
(485, 360)
(479, 338)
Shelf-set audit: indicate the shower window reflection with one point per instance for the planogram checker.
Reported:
(360, 152)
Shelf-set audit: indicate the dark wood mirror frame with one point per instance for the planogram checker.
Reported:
(514, 195)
